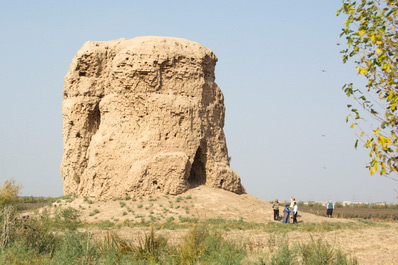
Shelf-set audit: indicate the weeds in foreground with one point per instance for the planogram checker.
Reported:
(152, 248)
(41, 239)
(204, 246)
(313, 252)
(7, 219)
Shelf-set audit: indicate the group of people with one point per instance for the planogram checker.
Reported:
(293, 207)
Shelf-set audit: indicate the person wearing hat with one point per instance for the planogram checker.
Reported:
(286, 215)
(275, 207)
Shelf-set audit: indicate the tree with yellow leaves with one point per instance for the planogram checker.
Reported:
(372, 42)
(9, 192)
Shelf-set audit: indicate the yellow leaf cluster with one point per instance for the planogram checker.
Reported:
(384, 141)
(362, 71)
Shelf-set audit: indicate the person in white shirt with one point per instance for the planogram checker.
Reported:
(295, 212)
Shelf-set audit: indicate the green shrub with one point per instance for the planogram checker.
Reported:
(87, 200)
(188, 219)
(151, 199)
(36, 233)
(67, 218)
(75, 247)
(320, 252)
(202, 246)
(94, 212)
(113, 247)
(283, 256)
(21, 255)
(151, 247)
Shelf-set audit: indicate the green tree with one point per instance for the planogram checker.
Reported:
(372, 44)
(9, 192)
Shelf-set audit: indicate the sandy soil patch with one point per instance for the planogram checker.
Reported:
(201, 202)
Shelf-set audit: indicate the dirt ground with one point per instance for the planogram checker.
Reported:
(201, 202)
(376, 244)
(373, 245)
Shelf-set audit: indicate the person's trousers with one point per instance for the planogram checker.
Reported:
(295, 218)
(276, 214)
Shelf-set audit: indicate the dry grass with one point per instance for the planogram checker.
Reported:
(254, 227)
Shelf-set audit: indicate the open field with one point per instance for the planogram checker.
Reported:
(202, 226)
(355, 212)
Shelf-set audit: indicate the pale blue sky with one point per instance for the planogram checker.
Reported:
(271, 56)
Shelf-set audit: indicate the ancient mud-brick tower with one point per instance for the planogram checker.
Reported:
(143, 116)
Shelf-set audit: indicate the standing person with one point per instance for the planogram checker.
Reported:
(275, 206)
(295, 212)
(286, 215)
(292, 201)
(329, 209)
